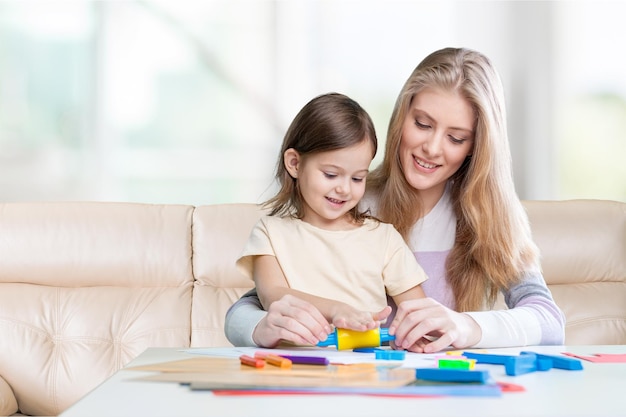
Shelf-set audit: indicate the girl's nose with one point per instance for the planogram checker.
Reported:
(343, 187)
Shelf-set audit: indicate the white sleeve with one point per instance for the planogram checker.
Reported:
(505, 328)
(533, 317)
(242, 318)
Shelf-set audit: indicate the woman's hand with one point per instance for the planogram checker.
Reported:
(418, 321)
(291, 319)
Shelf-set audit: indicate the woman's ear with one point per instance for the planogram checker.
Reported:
(291, 159)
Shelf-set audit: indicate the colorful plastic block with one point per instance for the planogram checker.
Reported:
(390, 355)
(520, 365)
(560, 362)
(452, 375)
(457, 363)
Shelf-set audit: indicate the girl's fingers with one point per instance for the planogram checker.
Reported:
(382, 315)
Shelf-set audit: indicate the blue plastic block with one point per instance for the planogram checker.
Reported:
(452, 375)
(488, 358)
(560, 362)
(366, 350)
(543, 364)
(390, 355)
(520, 365)
(514, 364)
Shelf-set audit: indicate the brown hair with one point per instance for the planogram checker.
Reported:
(493, 244)
(328, 122)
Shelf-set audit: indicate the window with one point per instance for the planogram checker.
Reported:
(187, 102)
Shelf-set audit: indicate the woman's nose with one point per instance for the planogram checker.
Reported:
(433, 145)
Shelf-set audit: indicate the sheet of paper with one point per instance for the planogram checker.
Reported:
(412, 360)
(600, 357)
(227, 375)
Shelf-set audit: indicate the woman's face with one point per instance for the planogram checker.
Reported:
(437, 136)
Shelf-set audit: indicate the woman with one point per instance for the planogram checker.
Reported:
(446, 185)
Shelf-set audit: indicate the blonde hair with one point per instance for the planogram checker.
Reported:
(493, 244)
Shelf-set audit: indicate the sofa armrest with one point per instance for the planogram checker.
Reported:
(8, 402)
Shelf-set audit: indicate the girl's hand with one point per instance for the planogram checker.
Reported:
(291, 319)
(419, 321)
(346, 317)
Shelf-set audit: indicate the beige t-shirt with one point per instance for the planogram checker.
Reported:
(356, 266)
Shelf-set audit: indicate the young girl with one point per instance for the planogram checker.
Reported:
(445, 183)
(315, 243)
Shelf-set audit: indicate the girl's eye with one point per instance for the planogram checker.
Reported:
(357, 179)
(329, 175)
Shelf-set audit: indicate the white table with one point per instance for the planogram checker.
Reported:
(598, 390)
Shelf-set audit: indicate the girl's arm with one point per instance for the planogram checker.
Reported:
(411, 294)
(272, 286)
(269, 279)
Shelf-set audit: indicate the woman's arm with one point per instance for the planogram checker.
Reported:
(533, 318)
(242, 318)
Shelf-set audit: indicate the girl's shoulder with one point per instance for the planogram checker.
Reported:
(279, 221)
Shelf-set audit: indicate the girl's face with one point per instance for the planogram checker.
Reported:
(437, 136)
(331, 183)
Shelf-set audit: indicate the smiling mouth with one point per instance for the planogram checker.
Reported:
(334, 201)
(424, 164)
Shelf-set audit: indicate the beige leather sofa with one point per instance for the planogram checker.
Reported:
(86, 287)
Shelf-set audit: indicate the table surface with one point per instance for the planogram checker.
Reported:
(598, 390)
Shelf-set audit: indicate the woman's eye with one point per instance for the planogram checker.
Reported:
(421, 125)
(456, 140)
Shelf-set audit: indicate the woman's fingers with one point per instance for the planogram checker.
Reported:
(425, 325)
(438, 344)
(416, 327)
(409, 315)
(307, 314)
(407, 308)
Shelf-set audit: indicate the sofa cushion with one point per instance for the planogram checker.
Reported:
(86, 287)
(583, 256)
(219, 234)
(8, 403)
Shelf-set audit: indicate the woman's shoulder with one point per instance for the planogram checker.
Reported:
(386, 231)
(369, 203)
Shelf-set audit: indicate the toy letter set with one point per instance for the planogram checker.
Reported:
(355, 363)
